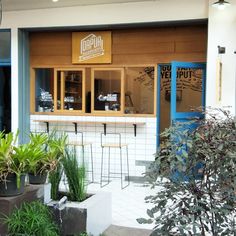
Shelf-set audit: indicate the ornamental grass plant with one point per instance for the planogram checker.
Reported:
(76, 176)
(31, 219)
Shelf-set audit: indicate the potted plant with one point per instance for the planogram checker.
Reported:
(78, 211)
(12, 166)
(47, 151)
(201, 201)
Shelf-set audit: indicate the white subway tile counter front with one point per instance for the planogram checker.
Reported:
(141, 147)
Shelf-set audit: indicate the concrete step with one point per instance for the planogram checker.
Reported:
(115, 230)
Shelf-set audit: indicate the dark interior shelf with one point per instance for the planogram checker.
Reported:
(72, 81)
(73, 102)
(71, 92)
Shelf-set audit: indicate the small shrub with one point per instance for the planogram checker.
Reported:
(195, 172)
(31, 219)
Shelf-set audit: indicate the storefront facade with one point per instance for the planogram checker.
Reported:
(143, 36)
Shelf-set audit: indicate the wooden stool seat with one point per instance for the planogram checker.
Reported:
(82, 144)
(76, 143)
(114, 145)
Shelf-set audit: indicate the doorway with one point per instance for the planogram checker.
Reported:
(5, 98)
(181, 89)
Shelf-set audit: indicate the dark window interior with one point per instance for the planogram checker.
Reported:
(5, 98)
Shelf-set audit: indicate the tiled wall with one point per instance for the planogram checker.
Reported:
(141, 147)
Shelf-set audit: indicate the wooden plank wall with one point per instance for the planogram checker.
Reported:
(130, 47)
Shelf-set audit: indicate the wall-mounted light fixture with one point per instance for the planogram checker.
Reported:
(221, 4)
(221, 50)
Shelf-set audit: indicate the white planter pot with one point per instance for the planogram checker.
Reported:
(94, 215)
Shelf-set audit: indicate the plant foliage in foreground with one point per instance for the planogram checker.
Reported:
(195, 172)
(75, 175)
(31, 219)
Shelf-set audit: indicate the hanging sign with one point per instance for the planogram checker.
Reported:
(91, 47)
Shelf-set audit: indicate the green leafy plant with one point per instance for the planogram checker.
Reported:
(31, 219)
(10, 161)
(195, 172)
(37, 154)
(47, 151)
(75, 175)
(6, 150)
(25, 157)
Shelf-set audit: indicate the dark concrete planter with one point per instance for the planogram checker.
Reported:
(9, 187)
(92, 215)
(37, 179)
(31, 193)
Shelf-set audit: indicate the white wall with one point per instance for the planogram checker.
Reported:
(148, 11)
(222, 32)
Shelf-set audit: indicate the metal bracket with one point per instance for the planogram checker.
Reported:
(76, 127)
(47, 126)
(105, 128)
(135, 129)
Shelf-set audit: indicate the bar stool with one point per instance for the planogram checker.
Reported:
(118, 145)
(83, 144)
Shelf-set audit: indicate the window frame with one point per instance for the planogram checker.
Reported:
(83, 68)
(122, 91)
(62, 92)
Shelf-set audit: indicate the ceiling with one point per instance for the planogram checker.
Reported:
(14, 5)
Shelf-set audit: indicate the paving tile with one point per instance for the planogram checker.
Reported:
(127, 205)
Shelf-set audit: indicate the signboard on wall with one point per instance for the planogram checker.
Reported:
(91, 47)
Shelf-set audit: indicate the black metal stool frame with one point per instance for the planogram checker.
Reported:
(119, 145)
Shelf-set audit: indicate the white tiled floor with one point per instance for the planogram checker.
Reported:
(127, 204)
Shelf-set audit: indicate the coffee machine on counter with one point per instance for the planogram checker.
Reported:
(45, 101)
(110, 101)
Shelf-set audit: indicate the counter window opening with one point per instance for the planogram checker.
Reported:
(108, 90)
(43, 90)
(69, 91)
(139, 90)
(112, 91)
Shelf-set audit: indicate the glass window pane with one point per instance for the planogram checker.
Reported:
(44, 90)
(59, 103)
(139, 90)
(189, 89)
(73, 90)
(5, 45)
(107, 90)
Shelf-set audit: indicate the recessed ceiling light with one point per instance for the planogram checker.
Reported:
(55, 0)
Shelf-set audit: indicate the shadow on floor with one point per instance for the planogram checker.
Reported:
(114, 230)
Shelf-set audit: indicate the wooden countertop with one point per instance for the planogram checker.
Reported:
(104, 123)
(90, 122)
